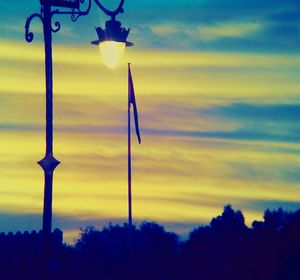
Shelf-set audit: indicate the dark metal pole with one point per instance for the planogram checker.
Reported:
(130, 231)
(49, 79)
(129, 171)
(48, 163)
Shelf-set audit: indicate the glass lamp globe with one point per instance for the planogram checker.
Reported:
(112, 52)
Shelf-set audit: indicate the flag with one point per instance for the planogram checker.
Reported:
(131, 100)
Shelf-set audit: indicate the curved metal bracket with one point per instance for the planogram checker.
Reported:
(28, 34)
(114, 13)
(75, 14)
(56, 28)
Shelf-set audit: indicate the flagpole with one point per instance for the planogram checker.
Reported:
(129, 165)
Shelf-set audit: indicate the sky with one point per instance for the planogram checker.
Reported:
(217, 89)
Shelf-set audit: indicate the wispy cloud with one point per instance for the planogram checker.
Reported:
(209, 32)
(228, 25)
(231, 30)
(165, 29)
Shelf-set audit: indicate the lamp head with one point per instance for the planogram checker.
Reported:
(112, 42)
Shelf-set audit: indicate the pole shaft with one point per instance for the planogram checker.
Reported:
(49, 79)
(129, 172)
(47, 214)
(48, 162)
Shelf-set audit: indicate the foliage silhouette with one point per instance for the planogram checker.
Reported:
(226, 249)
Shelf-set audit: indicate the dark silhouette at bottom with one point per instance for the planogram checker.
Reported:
(226, 249)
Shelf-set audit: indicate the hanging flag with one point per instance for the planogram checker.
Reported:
(131, 100)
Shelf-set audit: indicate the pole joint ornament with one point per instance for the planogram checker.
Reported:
(49, 163)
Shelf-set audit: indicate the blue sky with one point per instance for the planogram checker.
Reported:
(257, 25)
(217, 86)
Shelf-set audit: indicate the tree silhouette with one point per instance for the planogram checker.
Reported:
(151, 254)
(225, 249)
(213, 252)
(230, 221)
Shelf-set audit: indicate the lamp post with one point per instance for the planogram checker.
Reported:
(113, 33)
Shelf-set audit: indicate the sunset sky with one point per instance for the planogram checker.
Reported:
(217, 89)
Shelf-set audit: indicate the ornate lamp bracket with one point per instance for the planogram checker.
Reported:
(75, 14)
(114, 13)
(28, 34)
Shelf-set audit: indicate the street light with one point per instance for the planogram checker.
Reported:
(113, 36)
(113, 39)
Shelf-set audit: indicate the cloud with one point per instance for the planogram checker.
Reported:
(260, 121)
(262, 112)
(164, 29)
(176, 178)
(232, 30)
(239, 134)
(257, 34)
(208, 32)
(266, 172)
(248, 25)
(217, 127)
(218, 76)
(213, 20)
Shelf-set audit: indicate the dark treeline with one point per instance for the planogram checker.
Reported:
(224, 249)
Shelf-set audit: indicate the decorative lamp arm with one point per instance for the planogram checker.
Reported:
(114, 13)
(28, 34)
(75, 13)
